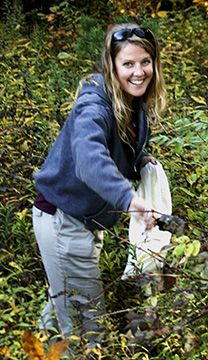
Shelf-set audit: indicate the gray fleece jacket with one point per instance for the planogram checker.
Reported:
(87, 169)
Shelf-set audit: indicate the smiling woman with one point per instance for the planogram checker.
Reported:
(85, 178)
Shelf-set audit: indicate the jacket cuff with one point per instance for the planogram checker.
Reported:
(138, 160)
(128, 202)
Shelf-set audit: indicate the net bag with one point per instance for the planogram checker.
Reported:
(154, 188)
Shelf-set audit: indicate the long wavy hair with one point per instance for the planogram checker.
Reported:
(155, 96)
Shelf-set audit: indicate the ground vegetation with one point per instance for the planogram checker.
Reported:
(44, 54)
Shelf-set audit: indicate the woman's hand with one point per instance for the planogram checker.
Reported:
(141, 211)
(145, 159)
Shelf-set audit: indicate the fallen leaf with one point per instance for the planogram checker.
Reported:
(32, 346)
(56, 350)
(3, 351)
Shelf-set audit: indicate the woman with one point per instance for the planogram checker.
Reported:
(85, 177)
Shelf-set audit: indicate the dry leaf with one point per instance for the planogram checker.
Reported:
(3, 351)
(33, 346)
(56, 350)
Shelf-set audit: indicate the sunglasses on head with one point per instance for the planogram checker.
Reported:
(125, 34)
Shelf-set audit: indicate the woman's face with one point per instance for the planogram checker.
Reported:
(134, 68)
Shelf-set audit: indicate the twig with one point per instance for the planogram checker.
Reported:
(153, 211)
(134, 211)
(57, 318)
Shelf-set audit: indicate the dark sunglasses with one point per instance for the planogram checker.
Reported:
(125, 34)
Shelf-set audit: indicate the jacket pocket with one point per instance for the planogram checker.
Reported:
(105, 218)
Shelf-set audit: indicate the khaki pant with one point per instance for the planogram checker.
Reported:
(70, 254)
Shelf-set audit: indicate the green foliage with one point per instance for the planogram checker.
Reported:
(150, 316)
(14, 19)
(89, 44)
(185, 124)
(21, 281)
(181, 141)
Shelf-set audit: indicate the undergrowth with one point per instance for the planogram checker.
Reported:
(149, 316)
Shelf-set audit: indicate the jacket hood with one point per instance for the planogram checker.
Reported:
(97, 80)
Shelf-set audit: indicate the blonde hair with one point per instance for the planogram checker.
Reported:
(155, 96)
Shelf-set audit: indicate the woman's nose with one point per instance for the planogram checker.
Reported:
(138, 71)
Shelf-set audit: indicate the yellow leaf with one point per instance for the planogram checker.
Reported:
(3, 351)
(8, 54)
(188, 249)
(22, 213)
(67, 106)
(15, 265)
(153, 300)
(69, 92)
(74, 338)
(196, 247)
(56, 350)
(97, 350)
(162, 14)
(199, 100)
(158, 6)
(32, 346)
(140, 259)
(51, 17)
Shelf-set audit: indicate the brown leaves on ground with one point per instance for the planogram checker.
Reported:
(35, 349)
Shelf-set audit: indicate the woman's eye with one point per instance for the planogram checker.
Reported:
(146, 62)
(127, 64)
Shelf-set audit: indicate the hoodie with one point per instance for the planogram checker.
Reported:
(86, 173)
